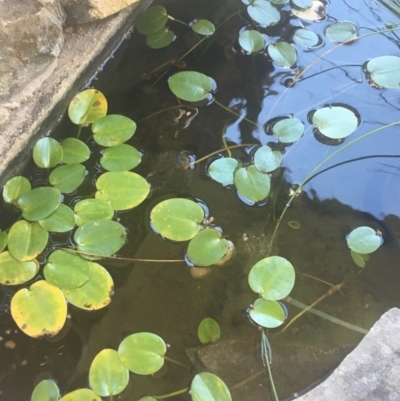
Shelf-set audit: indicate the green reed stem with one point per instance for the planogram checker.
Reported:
(161, 397)
(177, 363)
(391, 6)
(268, 364)
(236, 114)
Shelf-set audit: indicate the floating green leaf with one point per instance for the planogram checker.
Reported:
(177, 219)
(208, 331)
(268, 314)
(74, 151)
(112, 130)
(272, 278)
(341, 31)
(26, 240)
(222, 170)
(314, 13)
(191, 86)
(209, 387)
(120, 158)
(14, 188)
(103, 237)
(67, 270)
(47, 152)
(87, 106)
(91, 210)
(284, 54)
(95, 293)
(40, 310)
(83, 394)
(252, 184)
(266, 160)
(14, 272)
(203, 27)
(160, 39)
(61, 220)
(364, 240)
(305, 37)
(3, 240)
(251, 41)
(68, 177)
(304, 4)
(263, 12)
(207, 247)
(288, 130)
(385, 71)
(39, 203)
(335, 122)
(152, 20)
(46, 390)
(123, 189)
(359, 259)
(107, 375)
(142, 353)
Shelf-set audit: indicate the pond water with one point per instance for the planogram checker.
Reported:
(357, 187)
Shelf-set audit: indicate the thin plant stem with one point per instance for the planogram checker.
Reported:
(177, 20)
(268, 364)
(159, 112)
(329, 69)
(177, 363)
(79, 131)
(249, 379)
(391, 6)
(224, 140)
(161, 397)
(111, 397)
(243, 145)
(90, 137)
(236, 114)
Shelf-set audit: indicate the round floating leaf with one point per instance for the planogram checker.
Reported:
(190, 85)
(92, 210)
(208, 331)
(123, 189)
(112, 130)
(120, 158)
(151, 20)
(47, 152)
(252, 41)
(268, 314)
(207, 247)
(209, 387)
(203, 27)
(359, 259)
(341, 31)
(83, 394)
(267, 160)
(3, 240)
(67, 270)
(103, 237)
(14, 188)
(305, 37)
(46, 390)
(314, 13)
(272, 278)
(40, 310)
(60, 221)
(252, 184)
(263, 12)
(74, 151)
(39, 203)
(107, 375)
(26, 240)
(142, 353)
(14, 272)
(177, 219)
(67, 178)
(222, 170)
(284, 54)
(385, 71)
(364, 240)
(304, 4)
(95, 293)
(160, 39)
(335, 122)
(87, 106)
(288, 130)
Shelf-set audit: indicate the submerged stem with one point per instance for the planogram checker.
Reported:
(177, 363)
(79, 131)
(236, 114)
(224, 140)
(161, 397)
(267, 363)
(243, 145)
(177, 20)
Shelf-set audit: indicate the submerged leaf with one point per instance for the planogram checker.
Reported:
(208, 331)
(385, 71)
(47, 152)
(191, 86)
(288, 130)
(364, 240)
(203, 27)
(341, 31)
(359, 258)
(87, 106)
(268, 314)
(266, 160)
(284, 54)
(160, 39)
(263, 12)
(305, 37)
(222, 170)
(14, 188)
(112, 130)
(251, 41)
(252, 184)
(151, 20)
(209, 387)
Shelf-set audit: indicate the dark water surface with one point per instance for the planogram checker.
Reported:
(360, 186)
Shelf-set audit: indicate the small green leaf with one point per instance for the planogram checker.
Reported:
(305, 37)
(341, 31)
(61, 220)
(74, 151)
(67, 270)
(304, 4)
(142, 353)
(209, 387)
(284, 54)
(87, 106)
(68, 177)
(264, 13)
(177, 219)
(364, 240)
(83, 394)
(14, 188)
(190, 85)
(47, 152)
(251, 41)
(268, 314)
(272, 278)
(222, 170)
(40, 310)
(15, 272)
(107, 375)
(39, 203)
(151, 20)
(46, 390)
(120, 158)
(91, 210)
(267, 160)
(288, 130)
(160, 39)
(203, 27)
(208, 331)
(252, 184)
(359, 259)
(385, 71)
(123, 189)
(112, 130)
(3, 240)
